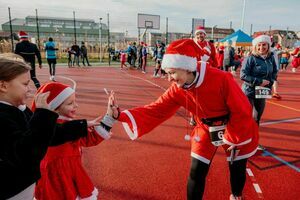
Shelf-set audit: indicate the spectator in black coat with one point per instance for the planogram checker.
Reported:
(28, 51)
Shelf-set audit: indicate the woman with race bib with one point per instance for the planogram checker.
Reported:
(259, 72)
(222, 112)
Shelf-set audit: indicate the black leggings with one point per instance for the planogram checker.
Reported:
(199, 171)
(258, 107)
(33, 76)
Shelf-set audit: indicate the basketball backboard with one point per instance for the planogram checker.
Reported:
(148, 21)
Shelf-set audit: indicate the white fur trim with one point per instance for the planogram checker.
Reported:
(92, 197)
(204, 58)
(207, 48)
(22, 107)
(64, 118)
(243, 156)
(201, 31)
(26, 194)
(198, 157)
(132, 135)
(59, 99)
(178, 61)
(102, 132)
(239, 144)
(202, 73)
(262, 38)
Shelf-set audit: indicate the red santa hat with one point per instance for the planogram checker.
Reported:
(23, 34)
(278, 46)
(221, 48)
(262, 38)
(58, 94)
(182, 54)
(200, 29)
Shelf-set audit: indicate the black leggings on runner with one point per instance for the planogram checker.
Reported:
(33, 76)
(198, 173)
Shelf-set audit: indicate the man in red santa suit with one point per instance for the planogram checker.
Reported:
(207, 47)
(222, 112)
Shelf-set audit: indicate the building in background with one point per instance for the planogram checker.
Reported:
(285, 38)
(215, 34)
(60, 29)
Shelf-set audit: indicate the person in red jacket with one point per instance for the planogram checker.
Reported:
(296, 59)
(222, 112)
(62, 173)
(207, 47)
(220, 57)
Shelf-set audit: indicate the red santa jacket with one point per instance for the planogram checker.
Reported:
(216, 94)
(209, 52)
(63, 176)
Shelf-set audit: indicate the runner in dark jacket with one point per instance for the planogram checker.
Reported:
(28, 51)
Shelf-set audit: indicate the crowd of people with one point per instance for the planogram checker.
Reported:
(43, 141)
(74, 54)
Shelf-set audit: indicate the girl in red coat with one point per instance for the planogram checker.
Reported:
(222, 112)
(63, 176)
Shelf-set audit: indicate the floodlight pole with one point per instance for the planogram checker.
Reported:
(11, 32)
(74, 21)
(37, 29)
(243, 15)
(167, 31)
(100, 39)
(212, 31)
(108, 39)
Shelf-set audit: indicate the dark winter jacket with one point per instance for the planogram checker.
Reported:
(28, 51)
(25, 138)
(254, 70)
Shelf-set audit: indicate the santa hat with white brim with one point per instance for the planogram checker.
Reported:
(23, 34)
(58, 94)
(200, 29)
(262, 38)
(182, 54)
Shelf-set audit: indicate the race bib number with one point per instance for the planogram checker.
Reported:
(216, 134)
(262, 92)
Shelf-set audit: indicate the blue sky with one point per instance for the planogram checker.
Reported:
(279, 14)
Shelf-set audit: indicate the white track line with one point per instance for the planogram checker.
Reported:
(257, 188)
(105, 90)
(280, 121)
(254, 183)
(150, 82)
(63, 77)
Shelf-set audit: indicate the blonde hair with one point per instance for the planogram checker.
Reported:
(11, 66)
(256, 53)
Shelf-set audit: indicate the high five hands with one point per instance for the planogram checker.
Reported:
(112, 107)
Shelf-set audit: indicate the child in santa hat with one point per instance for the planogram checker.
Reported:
(123, 58)
(63, 176)
(222, 112)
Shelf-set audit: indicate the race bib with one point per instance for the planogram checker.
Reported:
(262, 92)
(216, 134)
